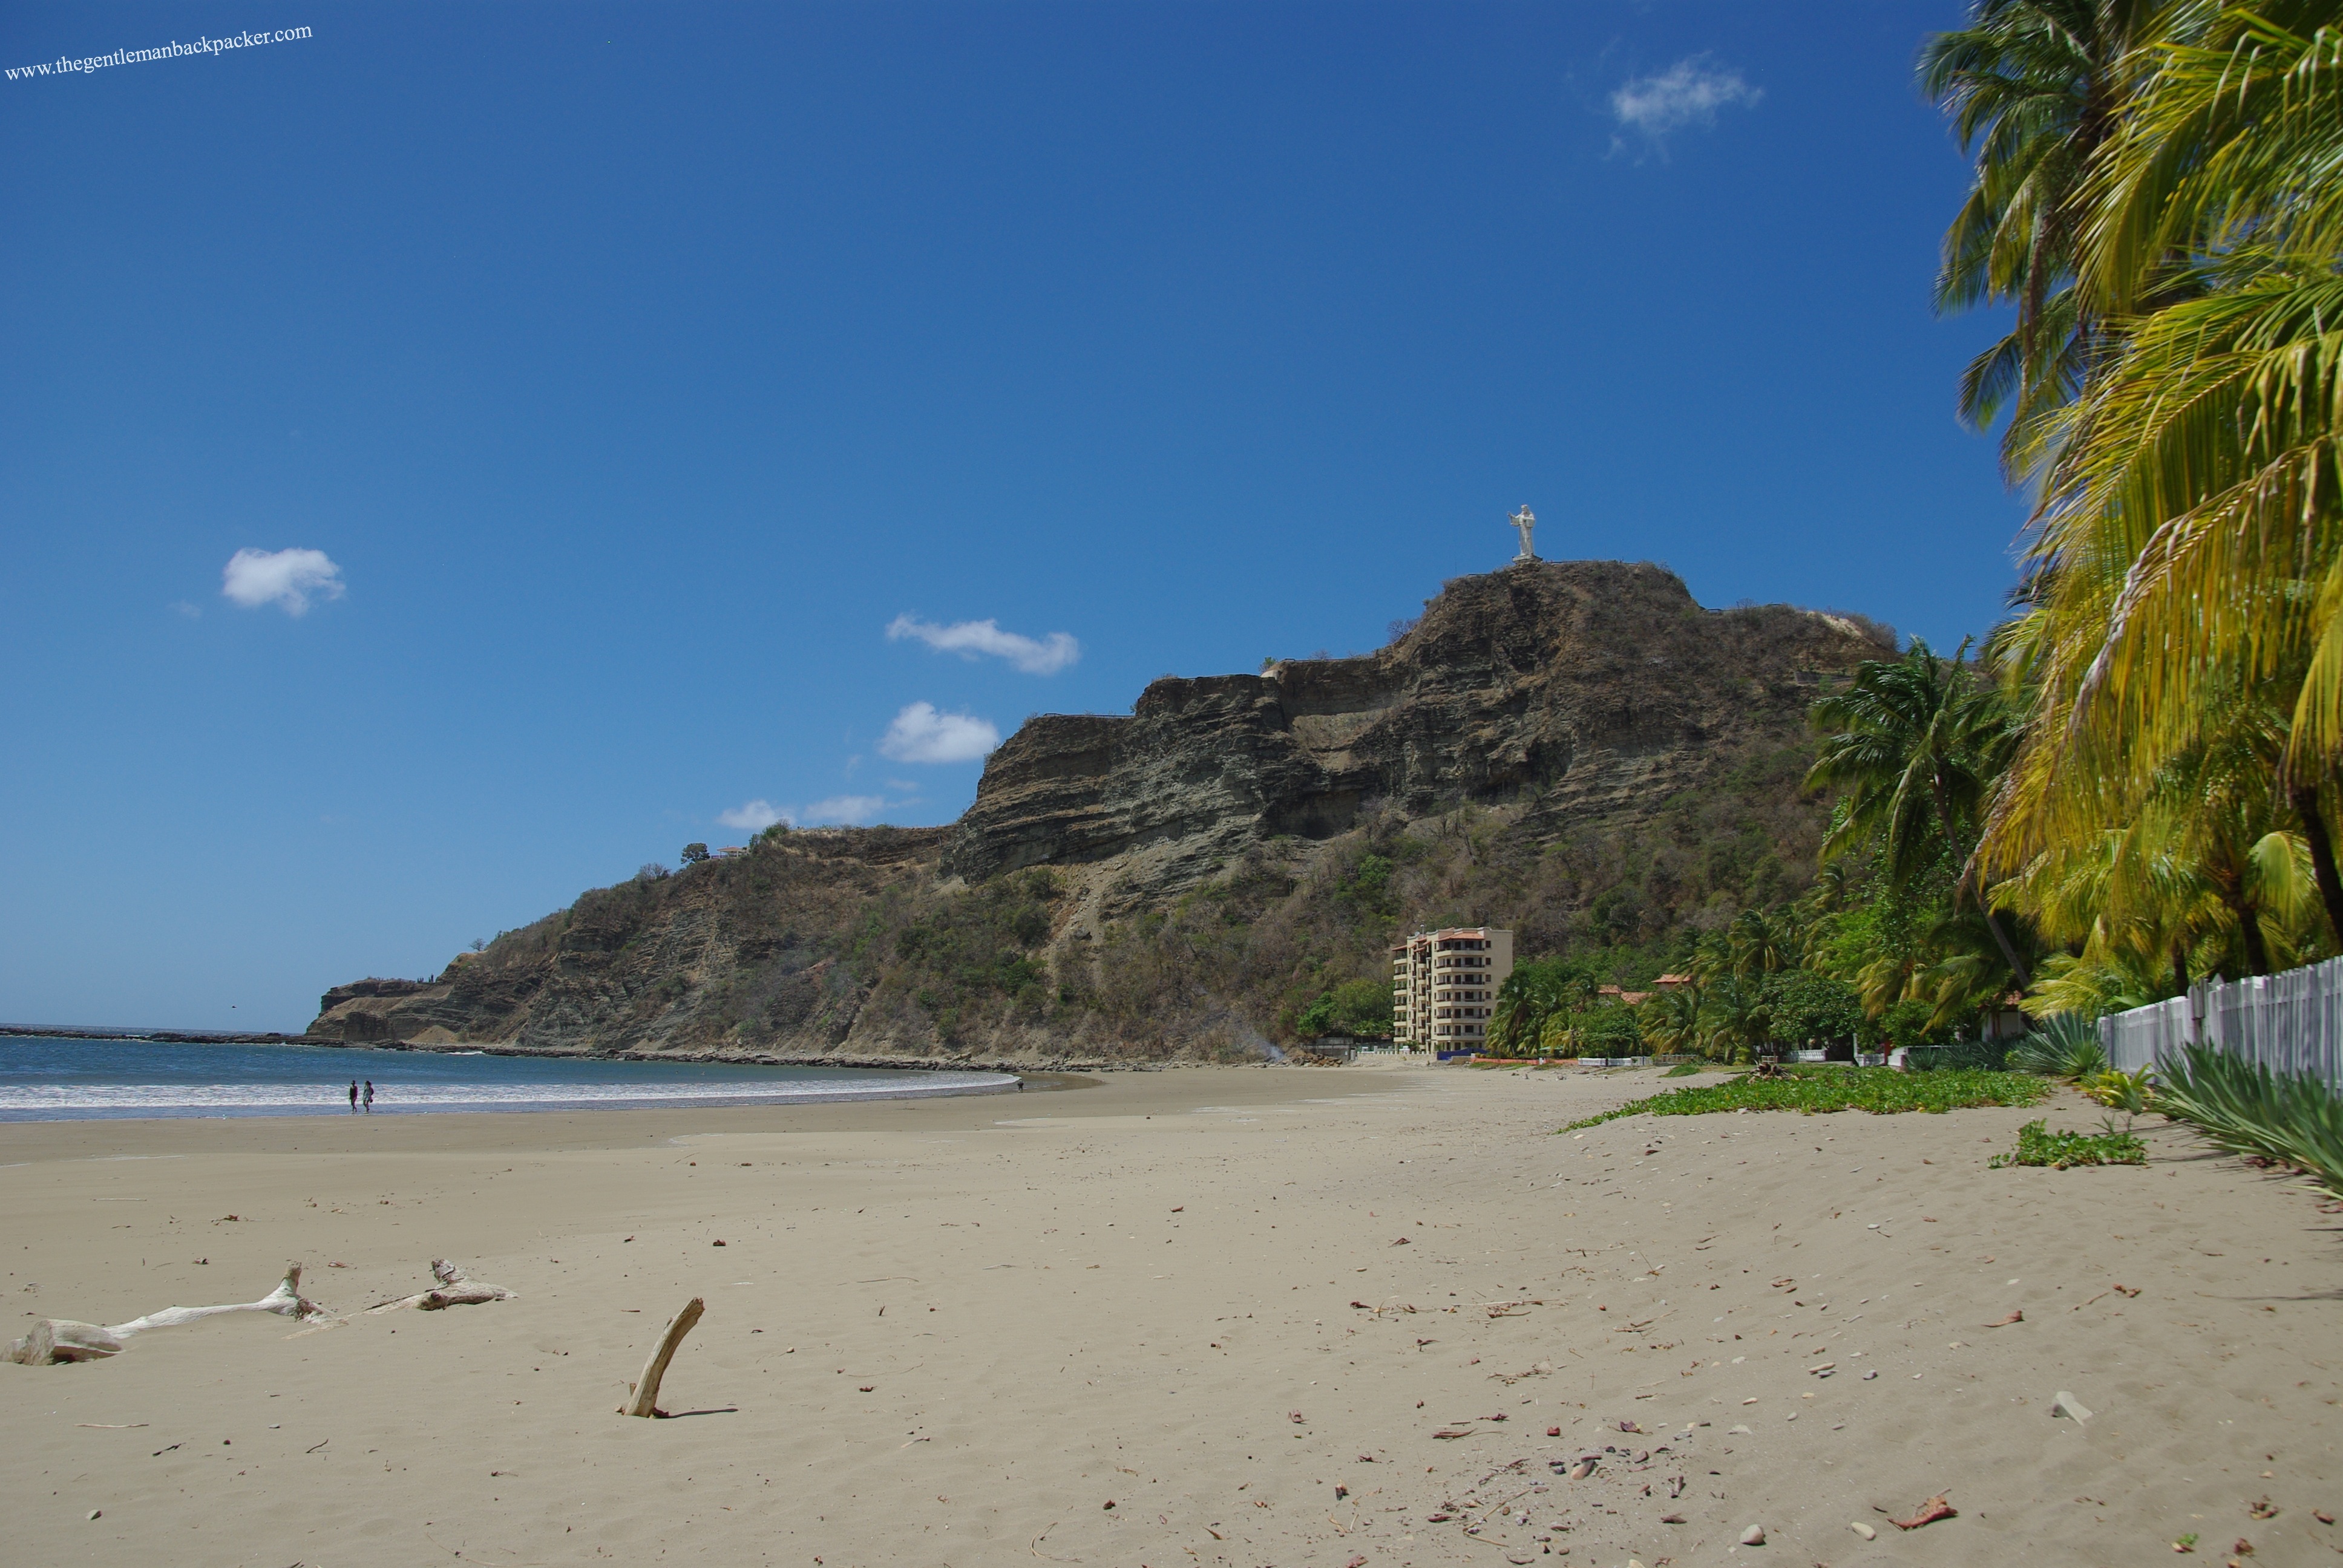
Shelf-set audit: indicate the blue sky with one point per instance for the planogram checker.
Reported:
(624, 374)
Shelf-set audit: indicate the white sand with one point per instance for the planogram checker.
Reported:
(957, 1332)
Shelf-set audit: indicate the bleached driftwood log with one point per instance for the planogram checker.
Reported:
(455, 1289)
(644, 1398)
(56, 1340)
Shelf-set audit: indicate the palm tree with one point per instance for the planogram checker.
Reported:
(1671, 1019)
(2035, 89)
(1534, 995)
(1735, 1022)
(2190, 536)
(1766, 941)
(1916, 743)
(2208, 868)
(1835, 884)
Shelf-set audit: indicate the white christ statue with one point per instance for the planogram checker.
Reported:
(1525, 520)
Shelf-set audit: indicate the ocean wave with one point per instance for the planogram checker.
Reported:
(67, 1101)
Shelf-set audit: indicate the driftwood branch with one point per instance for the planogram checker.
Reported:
(455, 1289)
(644, 1400)
(56, 1340)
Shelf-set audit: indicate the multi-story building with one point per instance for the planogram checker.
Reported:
(1444, 987)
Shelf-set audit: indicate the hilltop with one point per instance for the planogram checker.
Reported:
(1576, 749)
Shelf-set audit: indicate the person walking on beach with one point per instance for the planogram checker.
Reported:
(354, 1097)
(369, 1097)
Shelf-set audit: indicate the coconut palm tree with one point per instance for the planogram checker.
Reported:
(1735, 1022)
(1532, 996)
(2190, 536)
(1917, 743)
(1766, 941)
(1672, 1019)
(2035, 89)
(2208, 868)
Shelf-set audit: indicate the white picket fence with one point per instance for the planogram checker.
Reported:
(2290, 1022)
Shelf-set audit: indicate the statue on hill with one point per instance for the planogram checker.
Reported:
(1525, 520)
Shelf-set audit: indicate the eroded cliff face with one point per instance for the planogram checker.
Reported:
(1587, 687)
(1550, 697)
(678, 962)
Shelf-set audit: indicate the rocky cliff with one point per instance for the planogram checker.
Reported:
(1577, 748)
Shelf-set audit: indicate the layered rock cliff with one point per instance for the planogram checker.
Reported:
(1546, 739)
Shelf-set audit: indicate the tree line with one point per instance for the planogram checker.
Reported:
(2129, 784)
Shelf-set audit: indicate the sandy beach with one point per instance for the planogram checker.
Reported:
(1225, 1316)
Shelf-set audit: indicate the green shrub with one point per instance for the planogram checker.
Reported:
(2247, 1109)
(1359, 1007)
(1877, 1090)
(2064, 1045)
(1972, 1055)
(2036, 1145)
(1904, 1024)
(1809, 1007)
(1606, 1029)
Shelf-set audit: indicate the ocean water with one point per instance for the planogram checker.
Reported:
(52, 1079)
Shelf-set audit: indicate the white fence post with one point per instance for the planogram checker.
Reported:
(2291, 1023)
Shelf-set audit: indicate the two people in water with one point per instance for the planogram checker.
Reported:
(369, 1096)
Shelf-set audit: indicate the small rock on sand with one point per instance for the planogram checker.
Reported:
(1754, 1536)
(1866, 1531)
(2068, 1405)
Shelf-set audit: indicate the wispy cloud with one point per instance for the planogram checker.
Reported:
(851, 811)
(920, 734)
(854, 810)
(283, 577)
(974, 638)
(754, 817)
(184, 608)
(1688, 93)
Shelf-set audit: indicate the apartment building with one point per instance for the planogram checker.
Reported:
(1444, 986)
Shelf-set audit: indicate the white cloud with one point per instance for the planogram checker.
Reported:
(184, 608)
(754, 817)
(920, 734)
(852, 809)
(1688, 93)
(970, 638)
(285, 577)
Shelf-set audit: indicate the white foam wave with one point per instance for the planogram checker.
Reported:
(42, 1100)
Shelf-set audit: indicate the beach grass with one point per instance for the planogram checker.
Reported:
(1881, 1091)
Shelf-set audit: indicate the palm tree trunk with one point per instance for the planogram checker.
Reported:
(2180, 966)
(2322, 853)
(2249, 930)
(2001, 941)
(2000, 937)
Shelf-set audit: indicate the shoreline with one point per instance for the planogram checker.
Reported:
(1047, 1095)
(394, 1107)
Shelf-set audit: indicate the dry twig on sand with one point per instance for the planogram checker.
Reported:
(1928, 1512)
(455, 1289)
(644, 1398)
